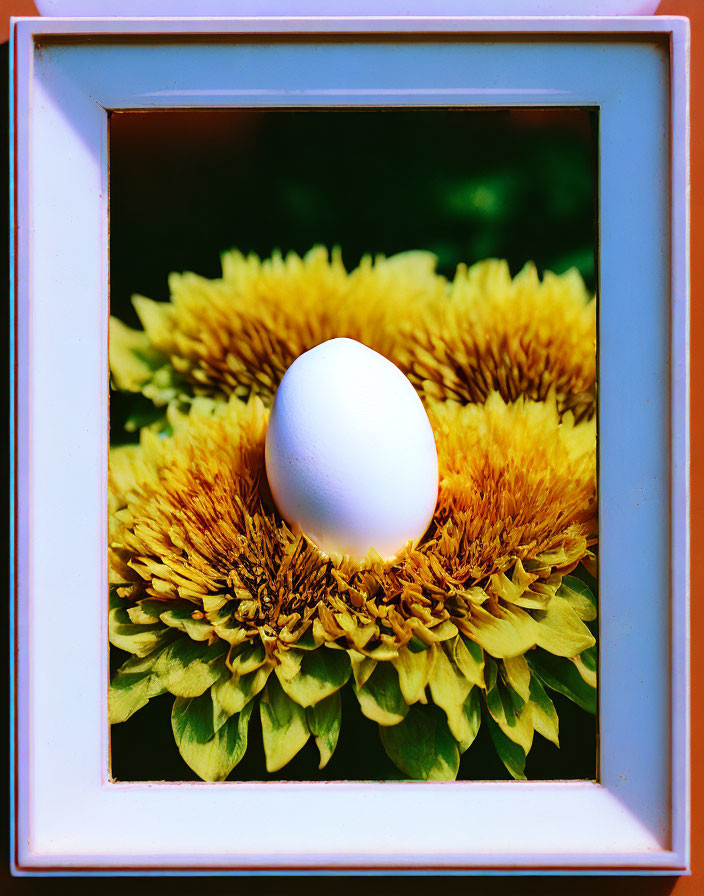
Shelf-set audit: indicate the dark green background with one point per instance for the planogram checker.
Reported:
(465, 184)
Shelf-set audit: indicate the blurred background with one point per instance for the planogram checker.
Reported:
(186, 185)
(466, 184)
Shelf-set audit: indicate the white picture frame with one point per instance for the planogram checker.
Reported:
(68, 74)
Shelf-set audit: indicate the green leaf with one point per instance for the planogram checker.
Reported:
(181, 618)
(517, 702)
(421, 746)
(131, 688)
(500, 704)
(545, 719)
(510, 753)
(187, 668)
(589, 658)
(307, 641)
(506, 631)
(247, 657)
(468, 661)
(134, 638)
(220, 715)
(315, 675)
(211, 754)
(324, 721)
(491, 672)
(472, 712)
(146, 612)
(510, 712)
(474, 649)
(415, 645)
(284, 727)
(233, 692)
(381, 699)
(579, 596)
(561, 675)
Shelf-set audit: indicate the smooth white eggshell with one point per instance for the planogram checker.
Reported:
(350, 453)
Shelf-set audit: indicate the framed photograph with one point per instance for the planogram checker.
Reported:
(350, 445)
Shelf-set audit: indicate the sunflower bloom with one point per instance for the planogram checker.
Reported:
(225, 608)
(239, 334)
(519, 336)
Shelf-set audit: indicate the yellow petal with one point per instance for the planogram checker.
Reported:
(413, 672)
(449, 689)
(503, 632)
(588, 675)
(362, 667)
(518, 675)
(561, 631)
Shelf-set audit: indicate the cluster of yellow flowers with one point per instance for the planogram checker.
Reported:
(223, 606)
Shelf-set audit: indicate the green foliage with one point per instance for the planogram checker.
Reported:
(511, 754)
(561, 675)
(508, 709)
(132, 687)
(381, 698)
(211, 754)
(424, 740)
(231, 693)
(453, 675)
(545, 719)
(188, 668)
(324, 721)
(311, 676)
(472, 713)
(579, 595)
(284, 726)
(181, 618)
(140, 640)
(589, 658)
(562, 631)
(422, 746)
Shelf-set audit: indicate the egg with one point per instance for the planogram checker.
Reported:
(350, 453)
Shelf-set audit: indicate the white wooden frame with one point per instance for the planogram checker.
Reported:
(70, 817)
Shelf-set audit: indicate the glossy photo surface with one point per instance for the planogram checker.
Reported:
(304, 627)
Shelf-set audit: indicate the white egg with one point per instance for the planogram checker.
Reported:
(350, 453)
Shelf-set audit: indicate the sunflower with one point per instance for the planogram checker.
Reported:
(482, 332)
(223, 606)
(240, 334)
(519, 336)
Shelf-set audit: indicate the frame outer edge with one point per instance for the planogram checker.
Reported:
(24, 27)
(680, 435)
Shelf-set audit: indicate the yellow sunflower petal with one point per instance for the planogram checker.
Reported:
(190, 521)
(518, 675)
(502, 633)
(561, 631)
(413, 672)
(518, 337)
(239, 334)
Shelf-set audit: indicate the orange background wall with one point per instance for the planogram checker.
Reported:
(544, 886)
